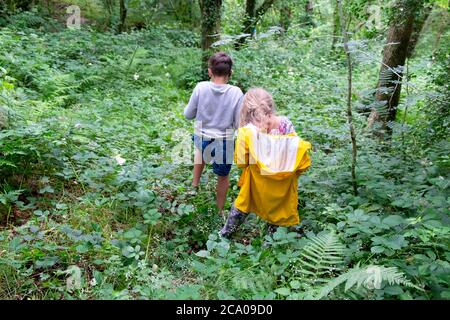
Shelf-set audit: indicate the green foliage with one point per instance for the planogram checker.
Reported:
(437, 116)
(91, 206)
(371, 277)
(320, 257)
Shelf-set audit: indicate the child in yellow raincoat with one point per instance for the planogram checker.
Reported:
(272, 157)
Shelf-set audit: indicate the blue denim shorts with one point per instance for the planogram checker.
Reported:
(219, 152)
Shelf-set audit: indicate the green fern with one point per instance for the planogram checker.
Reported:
(371, 277)
(320, 257)
(89, 81)
(4, 117)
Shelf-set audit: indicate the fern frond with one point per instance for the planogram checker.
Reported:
(89, 82)
(371, 277)
(386, 75)
(320, 257)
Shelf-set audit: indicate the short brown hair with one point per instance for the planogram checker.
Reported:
(220, 64)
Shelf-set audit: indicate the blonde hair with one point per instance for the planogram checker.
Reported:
(257, 106)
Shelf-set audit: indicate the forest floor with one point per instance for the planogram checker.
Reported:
(95, 197)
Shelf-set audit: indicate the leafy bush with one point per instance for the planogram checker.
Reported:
(91, 206)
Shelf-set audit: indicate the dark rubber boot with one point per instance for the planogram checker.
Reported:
(234, 220)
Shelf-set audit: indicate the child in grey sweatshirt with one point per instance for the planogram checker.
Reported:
(215, 106)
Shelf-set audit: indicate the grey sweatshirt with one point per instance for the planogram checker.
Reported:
(215, 108)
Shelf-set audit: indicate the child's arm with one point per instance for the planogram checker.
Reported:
(190, 111)
(237, 113)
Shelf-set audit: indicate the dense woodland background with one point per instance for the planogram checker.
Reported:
(92, 207)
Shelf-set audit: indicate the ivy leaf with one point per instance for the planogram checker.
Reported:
(375, 220)
(61, 206)
(401, 203)
(82, 248)
(341, 224)
(46, 263)
(396, 242)
(295, 284)
(202, 254)
(393, 220)
(41, 213)
(358, 215)
(133, 234)
(283, 291)
(377, 249)
(432, 224)
(47, 189)
(393, 290)
(152, 217)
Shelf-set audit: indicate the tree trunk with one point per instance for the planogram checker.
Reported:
(108, 6)
(13, 5)
(211, 17)
(394, 56)
(309, 9)
(123, 15)
(24, 4)
(285, 16)
(252, 17)
(336, 24)
(250, 7)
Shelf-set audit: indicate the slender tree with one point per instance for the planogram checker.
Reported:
(108, 5)
(285, 15)
(13, 5)
(123, 15)
(336, 26)
(252, 16)
(211, 17)
(309, 6)
(250, 6)
(394, 56)
(309, 10)
(349, 98)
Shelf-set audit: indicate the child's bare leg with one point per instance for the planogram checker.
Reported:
(223, 184)
(199, 164)
(198, 169)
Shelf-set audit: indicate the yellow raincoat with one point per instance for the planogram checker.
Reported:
(271, 167)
